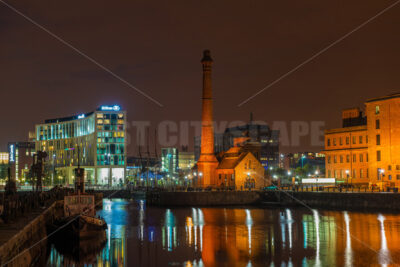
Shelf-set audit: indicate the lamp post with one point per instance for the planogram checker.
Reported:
(347, 177)
(302, 159)
(199, 178)
(381, 173)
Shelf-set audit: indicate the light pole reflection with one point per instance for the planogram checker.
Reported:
(348, 252)
(384, 254)
(169, 224)
(141, 220)
(249, 223)
(316, 222)
(290, 222)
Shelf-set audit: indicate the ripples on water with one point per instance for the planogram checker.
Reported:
(150, 236)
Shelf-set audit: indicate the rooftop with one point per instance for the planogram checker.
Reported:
(346, 129)
(391, 96)
(84, 115)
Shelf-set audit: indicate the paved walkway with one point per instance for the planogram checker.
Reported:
(8, 230)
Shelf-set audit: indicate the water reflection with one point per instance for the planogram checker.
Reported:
(348, 252)
(384, 253)
(149, 236)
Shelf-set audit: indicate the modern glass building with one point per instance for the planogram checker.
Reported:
(97, 139)
(169, 160)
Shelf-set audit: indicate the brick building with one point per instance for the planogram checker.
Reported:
(365, 150)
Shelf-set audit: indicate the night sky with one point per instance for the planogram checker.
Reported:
(157, 47)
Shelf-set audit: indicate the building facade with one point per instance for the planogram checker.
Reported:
(96, 140)
(269, 140)
(383, 128)
(365, 149)
(20, 156)
(4, 157)
(240, 169)
(169, 160)
(254, 132)
(186, 160)
(300, 159)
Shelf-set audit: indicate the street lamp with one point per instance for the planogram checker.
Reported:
(347, 176)
(302, 159)
(382, 174)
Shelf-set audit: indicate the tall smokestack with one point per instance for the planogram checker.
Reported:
(207, 162)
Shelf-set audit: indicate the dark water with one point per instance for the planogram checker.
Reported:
(149, 236)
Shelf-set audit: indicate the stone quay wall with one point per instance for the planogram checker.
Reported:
(213, 198)
(344, 201)
(28, 240)
(329, 200)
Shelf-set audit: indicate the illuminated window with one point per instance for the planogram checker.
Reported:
(377, 110)
(120, 115)
(99, 121)
(107, 121)
(99, 115)
(390, 177)
(120, 121)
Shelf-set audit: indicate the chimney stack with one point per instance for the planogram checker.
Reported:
(207, 162)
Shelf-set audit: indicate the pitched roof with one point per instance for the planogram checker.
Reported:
(229, 162)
